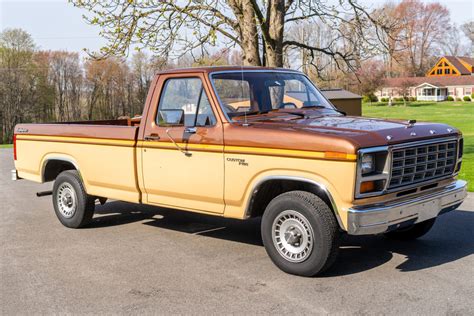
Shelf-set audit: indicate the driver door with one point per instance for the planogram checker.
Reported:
(182, 154)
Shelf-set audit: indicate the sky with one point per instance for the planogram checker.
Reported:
(58, 25)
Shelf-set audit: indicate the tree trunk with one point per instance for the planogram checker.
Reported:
(249, 35)
(275, 22)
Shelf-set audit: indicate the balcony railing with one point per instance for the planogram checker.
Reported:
(436, 98)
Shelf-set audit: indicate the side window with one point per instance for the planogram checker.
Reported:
(188, 95)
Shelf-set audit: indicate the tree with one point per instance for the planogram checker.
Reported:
(453, 44)
(468, 29)
(66, 78)
(16, 79)
(404, 89)
(257, 27)
(421, 31)
(371, 76)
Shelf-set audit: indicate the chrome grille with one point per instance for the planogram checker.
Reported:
(421, 163)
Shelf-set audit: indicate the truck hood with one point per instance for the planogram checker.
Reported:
(349, 133)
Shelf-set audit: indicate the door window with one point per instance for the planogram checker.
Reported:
(188, 95)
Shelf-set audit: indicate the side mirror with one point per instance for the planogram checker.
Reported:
(171, 117)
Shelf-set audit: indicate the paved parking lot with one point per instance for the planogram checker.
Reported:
(140, 259)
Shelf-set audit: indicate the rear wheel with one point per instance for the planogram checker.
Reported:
(412, 232)
(73, 207)
(300, 233)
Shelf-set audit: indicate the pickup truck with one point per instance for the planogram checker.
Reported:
(244, 142)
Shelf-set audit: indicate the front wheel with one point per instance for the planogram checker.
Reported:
(72, 205)
(300, 233)
(412, 232)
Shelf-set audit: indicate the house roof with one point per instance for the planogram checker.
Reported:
(339, 94)
(441, 81)
(468, 60)
(458, 65)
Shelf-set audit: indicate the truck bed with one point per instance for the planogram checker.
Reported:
(104, 152)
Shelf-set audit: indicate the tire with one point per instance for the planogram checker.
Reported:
(411, 232)
(73, 207)
(305, 214)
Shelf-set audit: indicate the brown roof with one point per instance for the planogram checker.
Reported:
(469, 60)
(458, 65)
(439, 81)
(339, 94)
(221, 68)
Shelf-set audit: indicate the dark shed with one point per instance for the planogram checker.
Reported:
(345, 101)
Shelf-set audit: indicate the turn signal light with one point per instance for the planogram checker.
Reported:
(368, 186)
(339, 155)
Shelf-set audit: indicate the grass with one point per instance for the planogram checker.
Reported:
(457, 114)
(6, 145)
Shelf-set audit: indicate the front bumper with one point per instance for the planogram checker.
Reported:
(383, 217)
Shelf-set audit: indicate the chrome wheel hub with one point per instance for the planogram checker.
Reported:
(66, 200)
(292, 236)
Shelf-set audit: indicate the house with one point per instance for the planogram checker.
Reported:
(452, 66)
(450, 76)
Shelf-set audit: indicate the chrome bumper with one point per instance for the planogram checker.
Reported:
(383, 217)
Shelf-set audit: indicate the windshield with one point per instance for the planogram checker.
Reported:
(246, 92)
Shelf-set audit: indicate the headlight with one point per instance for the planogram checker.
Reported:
(373, 171)
(367, 164)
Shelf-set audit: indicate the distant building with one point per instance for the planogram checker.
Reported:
(450, 76)
(452, 66)
(344, 100)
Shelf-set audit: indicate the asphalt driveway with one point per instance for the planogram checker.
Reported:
(140, 259)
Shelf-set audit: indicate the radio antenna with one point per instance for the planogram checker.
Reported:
(242, 94)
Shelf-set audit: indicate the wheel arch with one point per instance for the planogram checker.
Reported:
(53, 165)
(269, 187)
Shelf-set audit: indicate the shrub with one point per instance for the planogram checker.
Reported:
(450, 98)
(384, 100)
(370, 98)
(398, 99)
(458, 99)
(411, 99)
(467, 98)
(472, 96)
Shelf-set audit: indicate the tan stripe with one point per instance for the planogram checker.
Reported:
(195, 147)
(78, 140)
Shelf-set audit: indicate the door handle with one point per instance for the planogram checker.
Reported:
(190, 130)
(152, 137)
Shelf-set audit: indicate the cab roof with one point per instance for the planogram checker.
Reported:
(211, 69)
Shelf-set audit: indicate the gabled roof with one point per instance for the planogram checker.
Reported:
(440, 81)
(467, 60)
(458, 65)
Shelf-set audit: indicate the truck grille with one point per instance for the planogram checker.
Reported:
(422, 163)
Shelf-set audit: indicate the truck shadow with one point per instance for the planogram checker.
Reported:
(451, 239)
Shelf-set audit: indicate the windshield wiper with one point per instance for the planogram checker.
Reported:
(314, 106)
(247, 113)
(286, 112)
(322, 106)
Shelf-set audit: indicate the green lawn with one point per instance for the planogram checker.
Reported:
(6, 145)
(457, 114)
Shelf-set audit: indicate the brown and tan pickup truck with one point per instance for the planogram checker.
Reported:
(253, 142)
